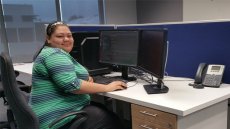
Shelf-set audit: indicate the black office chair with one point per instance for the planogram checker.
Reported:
(9, 114)
(3, 124)
(25, 118)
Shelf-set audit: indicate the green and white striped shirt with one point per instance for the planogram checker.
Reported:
(55, 75)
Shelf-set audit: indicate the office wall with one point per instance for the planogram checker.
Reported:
(142, 11)
(155, 11)
(194, 10)
(160, 11)
(120, 12)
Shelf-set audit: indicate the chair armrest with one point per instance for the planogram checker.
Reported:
(1, 90)
(81, 116)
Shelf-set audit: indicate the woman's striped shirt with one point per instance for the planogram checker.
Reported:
(55, 75)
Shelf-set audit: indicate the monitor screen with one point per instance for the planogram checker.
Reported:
(153, 54)
(86, 52)
(119, 47)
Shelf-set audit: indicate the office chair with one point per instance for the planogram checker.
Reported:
(10, 117)
(25, 118)
(3, 124)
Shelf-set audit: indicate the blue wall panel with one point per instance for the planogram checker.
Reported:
(189, 45)
(80, 28)
(193, 43)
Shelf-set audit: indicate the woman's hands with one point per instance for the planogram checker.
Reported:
(116, 85)
(89, 87)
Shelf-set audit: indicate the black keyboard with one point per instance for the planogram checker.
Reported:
(107, 80)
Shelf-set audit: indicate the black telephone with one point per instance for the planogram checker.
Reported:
(208, 75)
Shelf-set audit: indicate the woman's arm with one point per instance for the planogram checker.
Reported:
(91, 87)
(61, 70)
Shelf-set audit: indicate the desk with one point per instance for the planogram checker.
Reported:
(195, 108)
(23, 67)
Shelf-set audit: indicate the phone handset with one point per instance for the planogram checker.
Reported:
(200, 73)
(199, 76)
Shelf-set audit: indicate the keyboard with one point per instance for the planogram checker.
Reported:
(106, 79)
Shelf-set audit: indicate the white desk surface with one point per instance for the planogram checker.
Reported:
(24, 67)
(181, 99)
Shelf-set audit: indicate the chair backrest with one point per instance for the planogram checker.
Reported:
(25, 117)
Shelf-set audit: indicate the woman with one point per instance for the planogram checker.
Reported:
(60, 84)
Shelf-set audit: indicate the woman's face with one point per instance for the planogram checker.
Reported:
(61, 38)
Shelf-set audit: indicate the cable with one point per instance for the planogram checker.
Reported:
(133, 84)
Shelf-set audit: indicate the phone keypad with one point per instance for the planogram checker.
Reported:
(212, 80)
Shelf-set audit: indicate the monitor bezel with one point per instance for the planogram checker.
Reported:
(164, 55)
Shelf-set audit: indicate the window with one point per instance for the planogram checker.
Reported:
(25, 22)
(8, 18)
(80, 11)
(28, 18)
(3, 40)
(23, 19)
(13, 35)
(23, 35)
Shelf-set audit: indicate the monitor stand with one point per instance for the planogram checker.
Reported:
(156, 88)
(124, 75)
(124, 72)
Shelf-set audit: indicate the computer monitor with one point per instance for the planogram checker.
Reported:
(86, 52)
(120, 47)
(153, 50)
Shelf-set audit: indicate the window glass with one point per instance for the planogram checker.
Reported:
(80, 11)
(3, 40)
(8, 18)
(13, 35)
(25, 26)
(25, 22)
(1, 35)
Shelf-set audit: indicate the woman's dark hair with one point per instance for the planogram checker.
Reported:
(49, 31)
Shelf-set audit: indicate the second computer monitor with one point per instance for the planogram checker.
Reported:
(119, 47)
(152, 57)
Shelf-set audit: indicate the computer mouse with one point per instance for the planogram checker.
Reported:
(121, 89)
